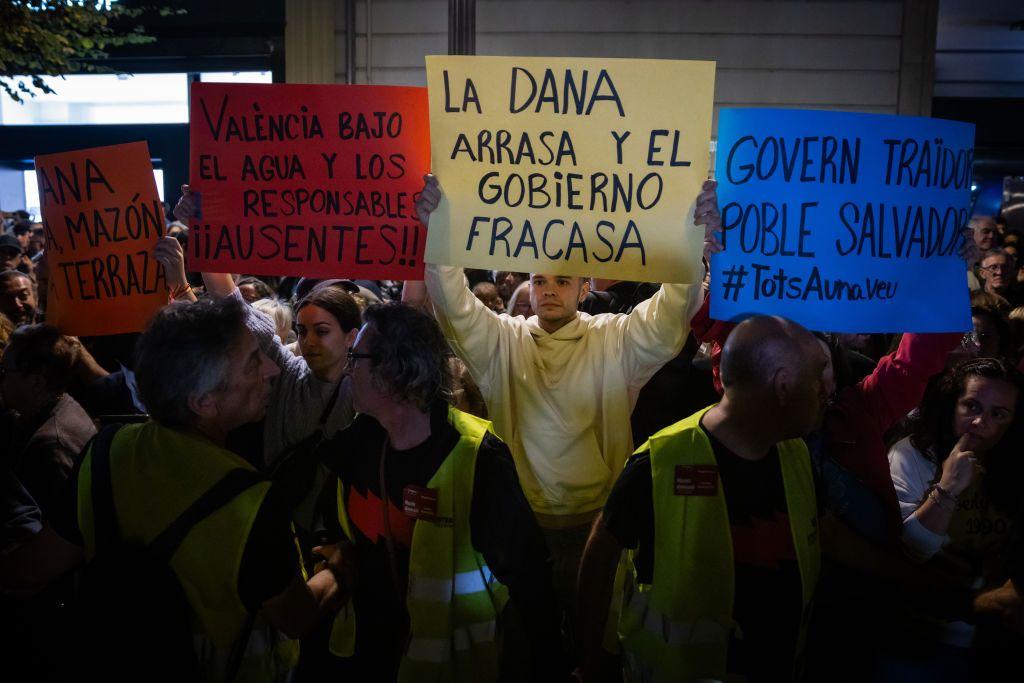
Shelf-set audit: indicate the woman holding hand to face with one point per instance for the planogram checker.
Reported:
(957, 477)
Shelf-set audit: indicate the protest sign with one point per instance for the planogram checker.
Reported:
(313, 180)
(570, 166)
(843, 222)
(102, 217)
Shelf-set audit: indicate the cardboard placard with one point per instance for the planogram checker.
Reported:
(102, 217)
(310, 180)
(843, 222)
(584, 167)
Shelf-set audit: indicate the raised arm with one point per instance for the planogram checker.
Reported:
(471, 328)
(187, 208)
(654, 332)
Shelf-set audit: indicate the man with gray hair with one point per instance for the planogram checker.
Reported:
(720, 516)
(998, 272)
(201, 374)
(442, 535)
(985, 237)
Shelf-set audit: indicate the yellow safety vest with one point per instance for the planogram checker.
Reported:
(157, 473)
(677, 628)
(453, 599)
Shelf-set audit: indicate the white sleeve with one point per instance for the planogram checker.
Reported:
(473, 330)
(654, 332)
(912, 475)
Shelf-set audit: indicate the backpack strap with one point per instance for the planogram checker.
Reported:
(220, 494)
(104, 513)
(164, 546)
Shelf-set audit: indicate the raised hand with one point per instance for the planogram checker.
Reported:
(429, 198)
(167, 251)
(187, 207)
(706, 214)
(959, 468)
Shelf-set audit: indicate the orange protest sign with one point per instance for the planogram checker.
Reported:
(102, 216)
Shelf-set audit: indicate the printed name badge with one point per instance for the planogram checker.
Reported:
(419, 502)
(696, 480)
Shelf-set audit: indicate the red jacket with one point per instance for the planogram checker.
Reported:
(857, 420)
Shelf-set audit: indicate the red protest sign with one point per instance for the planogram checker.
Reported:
(102, 216)
(312, 180)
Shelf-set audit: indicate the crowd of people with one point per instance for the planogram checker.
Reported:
(507, 476)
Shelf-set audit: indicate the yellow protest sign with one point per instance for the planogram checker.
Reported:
(571, 166)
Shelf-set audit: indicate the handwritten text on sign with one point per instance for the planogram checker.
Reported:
(843, 222)
(314, 180)
(570, 166)
(102, 217)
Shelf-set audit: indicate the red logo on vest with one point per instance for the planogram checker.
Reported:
(696, 480)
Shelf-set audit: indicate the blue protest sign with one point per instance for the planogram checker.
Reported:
(843, 222)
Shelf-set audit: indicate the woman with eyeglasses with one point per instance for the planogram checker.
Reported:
(957, 477)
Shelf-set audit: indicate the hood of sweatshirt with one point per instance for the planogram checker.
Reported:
(556, 349)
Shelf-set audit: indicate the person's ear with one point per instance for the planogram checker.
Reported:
(783, 385)
(350, 337)
(584, 288)
(204, 405)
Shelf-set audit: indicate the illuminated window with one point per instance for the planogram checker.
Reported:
(237, 77)
(103, 99)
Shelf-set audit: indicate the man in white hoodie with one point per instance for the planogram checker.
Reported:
(560, 386)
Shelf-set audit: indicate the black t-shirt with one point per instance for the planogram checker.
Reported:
(269, 562)
(502, 528)
(768, 594)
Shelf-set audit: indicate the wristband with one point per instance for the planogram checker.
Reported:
(934, 496)
(944, 493)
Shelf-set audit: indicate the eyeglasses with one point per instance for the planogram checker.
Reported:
(1005, 268)
(353, 356)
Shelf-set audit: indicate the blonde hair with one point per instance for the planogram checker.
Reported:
(523, 290)
(281, 314)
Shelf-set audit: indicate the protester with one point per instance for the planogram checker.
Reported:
(22, 230)
(52, 428)
(454, 515)
(957, 475)
(253, 289)
(201, 374)
(985, 238)
(560, 385)
(281, 314)
(739, 470)
(11, 253)
(519, 303)
(507, 283)
(991, 337)
(17, 297)
(997, 271)
(310, 389)
(488, 294)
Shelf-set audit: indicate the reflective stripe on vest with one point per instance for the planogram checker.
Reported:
(677, 628)
(441, 590)
(160, 472)
(453, 598)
